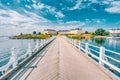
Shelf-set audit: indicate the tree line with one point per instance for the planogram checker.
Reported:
(99, 32)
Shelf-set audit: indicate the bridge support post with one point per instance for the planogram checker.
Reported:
(37, 45)
(29, 50)
(43, 42)
(86, 48)
(72, 42)
(79, 44)
(101, 55)
(14, 58)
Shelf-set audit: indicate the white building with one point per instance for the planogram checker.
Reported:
(50, 31)
(76, 31)
(62, 32)
(72, 31)
(114, 32)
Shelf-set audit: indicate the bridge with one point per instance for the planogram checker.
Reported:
(61, 58)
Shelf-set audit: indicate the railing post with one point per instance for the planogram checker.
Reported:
(37, 45)
(79, 44)
(73, 42)
(101, 55)
(14, 57)
(40, 43)
(43, 42)
(86, 48)
(29, 50)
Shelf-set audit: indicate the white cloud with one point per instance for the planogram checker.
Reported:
(50, 9)
(38, 6)
(70, 25)
(78, 3)
(115, 7)
(94, 1)
(79, 23)
(106, 2)
(8, 3)
(12, 22)
(59, 14)
(34, 1)
(27, 6)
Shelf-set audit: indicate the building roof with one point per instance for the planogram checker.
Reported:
(116, 29)
(63, 31)
(77, 29)
(49, 30)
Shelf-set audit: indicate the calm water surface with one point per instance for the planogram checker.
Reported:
(109, 43)
(112, 44)
(21, 46)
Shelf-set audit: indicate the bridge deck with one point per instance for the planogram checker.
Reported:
(63, 62)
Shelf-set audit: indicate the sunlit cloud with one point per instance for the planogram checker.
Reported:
(26, 16)
(115, 7)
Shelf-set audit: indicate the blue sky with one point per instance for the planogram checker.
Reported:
(25, 16)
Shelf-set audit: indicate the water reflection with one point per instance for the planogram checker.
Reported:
(109, 43)
(99, 41)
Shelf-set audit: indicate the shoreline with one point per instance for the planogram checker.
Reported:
(30, 36)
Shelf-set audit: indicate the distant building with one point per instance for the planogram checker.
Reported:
(62, 32)
(114, 32)
(76, 31)
(72, 31)
(50, 31)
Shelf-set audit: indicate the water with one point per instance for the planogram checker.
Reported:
(109, 43)
(21, 46)
(112, 44)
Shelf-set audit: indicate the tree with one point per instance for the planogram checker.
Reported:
(86, 32)
(34, 32)
(100, 32)
(39, 33)
(93, 33)
(21, 33)
(106, 33)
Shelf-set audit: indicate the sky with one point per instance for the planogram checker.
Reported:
(26, 16)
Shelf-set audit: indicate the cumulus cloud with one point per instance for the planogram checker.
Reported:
(78, 3)
(27, 6)
(115, 7)
(76, 23)
(52, 10)
(15, 22)
(59, 14)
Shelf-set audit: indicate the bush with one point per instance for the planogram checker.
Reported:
(101, 32)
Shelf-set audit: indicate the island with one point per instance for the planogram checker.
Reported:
(31, 36)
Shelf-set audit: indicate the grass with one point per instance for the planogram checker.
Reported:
(84, 36)
(79, 37)
(32, 36)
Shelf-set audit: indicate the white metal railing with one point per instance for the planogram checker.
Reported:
(13, 59)
(98, 53)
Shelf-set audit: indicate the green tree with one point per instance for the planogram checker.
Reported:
(106, 33)
(93, 33)
(100, 32)
(34, 32)
(21, 33)
(86, 32)
(39, 33)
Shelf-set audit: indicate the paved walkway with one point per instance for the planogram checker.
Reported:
(63, 62)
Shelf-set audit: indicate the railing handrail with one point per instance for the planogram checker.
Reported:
(38, 46)
(101, 51)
